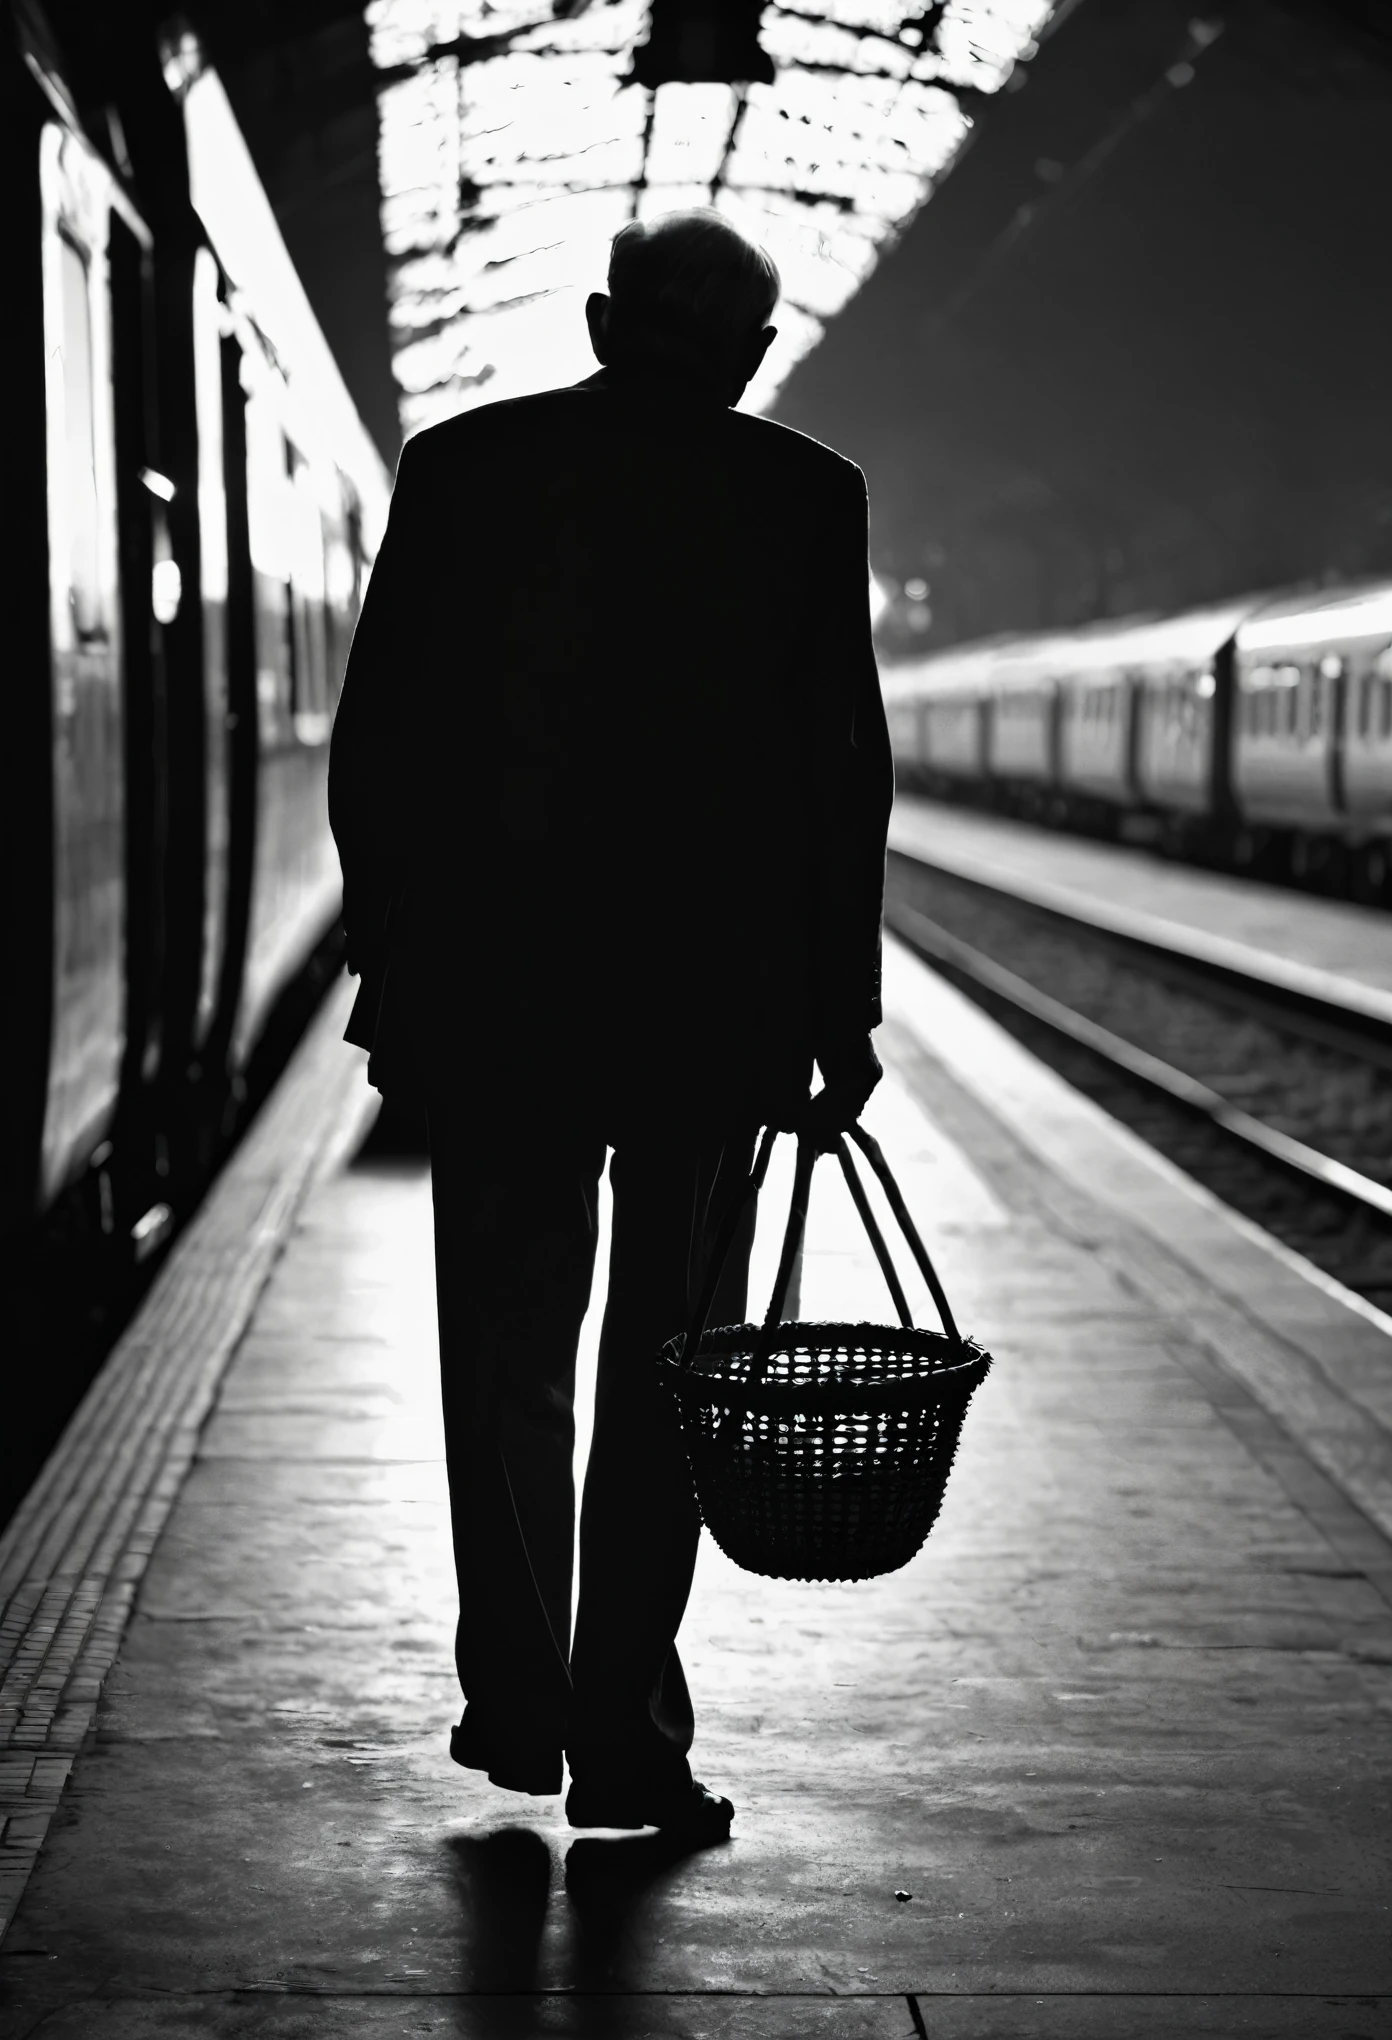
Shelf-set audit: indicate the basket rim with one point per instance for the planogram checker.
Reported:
(968, 1368)
(884, 1334)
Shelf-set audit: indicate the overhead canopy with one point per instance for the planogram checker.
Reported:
(515, 141)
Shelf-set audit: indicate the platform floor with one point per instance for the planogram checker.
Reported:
(1331, 947)
(1121, 1729)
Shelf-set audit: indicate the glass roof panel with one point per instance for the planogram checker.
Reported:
(513, 148)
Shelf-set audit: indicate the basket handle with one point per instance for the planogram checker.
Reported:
(797, 1220)
(871, 1149)
(792, 1240)
(729, 1225)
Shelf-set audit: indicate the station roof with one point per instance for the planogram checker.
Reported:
(517, 136)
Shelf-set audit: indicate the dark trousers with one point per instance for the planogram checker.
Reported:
(515, 1233)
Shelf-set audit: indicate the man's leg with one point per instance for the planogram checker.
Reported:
(514, 1253)
(631, 1724)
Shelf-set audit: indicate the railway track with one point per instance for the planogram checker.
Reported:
(1278, 1101)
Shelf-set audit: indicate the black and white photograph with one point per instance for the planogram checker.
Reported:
(696, 1020)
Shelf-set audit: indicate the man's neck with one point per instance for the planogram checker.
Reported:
(661, 376)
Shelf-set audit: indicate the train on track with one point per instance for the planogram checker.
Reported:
(1254, 734)
(193, 505)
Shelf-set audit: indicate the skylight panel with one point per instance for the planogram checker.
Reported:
(513, 147)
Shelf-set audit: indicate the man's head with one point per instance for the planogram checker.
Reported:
(688, 293)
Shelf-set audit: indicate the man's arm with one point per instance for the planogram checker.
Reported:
(375, 729)
(855, 825)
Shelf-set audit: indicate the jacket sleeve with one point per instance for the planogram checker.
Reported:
(859, 796)
(372, 755)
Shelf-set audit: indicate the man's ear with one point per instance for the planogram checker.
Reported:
(751, 360)
(597, 319)
(754, 352)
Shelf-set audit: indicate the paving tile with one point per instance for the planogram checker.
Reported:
(579, 2016)
(593, 2016)
(1120, 1729)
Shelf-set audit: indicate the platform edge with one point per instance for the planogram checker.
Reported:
(73, 1555)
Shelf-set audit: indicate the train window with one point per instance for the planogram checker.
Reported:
(1365, 706)
(1312, 691)
(82, 504)
(1290, 700)
(340, 608)
(1258, 702)
(1380, 684)
(271, 532)
(309, 696)
(207, 372)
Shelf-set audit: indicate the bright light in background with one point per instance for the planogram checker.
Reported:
(512, 151)
(879, 600)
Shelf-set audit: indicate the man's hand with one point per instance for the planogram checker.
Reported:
(366, 921)
(849, 1080)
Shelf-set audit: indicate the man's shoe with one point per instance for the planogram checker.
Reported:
(691, 1813)
(514, 1770)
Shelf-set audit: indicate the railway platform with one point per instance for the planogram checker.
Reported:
(1110, 1758)
(1333, 950)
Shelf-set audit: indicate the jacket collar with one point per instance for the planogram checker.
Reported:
(657, 382)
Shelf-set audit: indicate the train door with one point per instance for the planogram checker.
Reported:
(82, 210)
(219, 726)
(151, 595)
(1330, 686)
(1051, 706)
(1130, 739)
(239, 646)
(1221, 696)
(295, 880)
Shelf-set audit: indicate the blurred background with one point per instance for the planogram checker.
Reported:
(1096, 293)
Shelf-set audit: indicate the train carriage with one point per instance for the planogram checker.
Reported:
(1287, 705)
(1255, 731)
(937, 718)
(1184, 674)
(85, 646)
(1021, 698)
(1099, 686)
(312, 495)
(1363, 628)
(180, 606)
(903, 715)
(1312, 736)
(1096, 718)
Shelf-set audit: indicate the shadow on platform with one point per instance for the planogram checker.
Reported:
(598, 1912)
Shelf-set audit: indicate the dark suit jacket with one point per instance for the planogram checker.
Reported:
(611, 739)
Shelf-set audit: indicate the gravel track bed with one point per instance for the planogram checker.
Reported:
(1333, 1099)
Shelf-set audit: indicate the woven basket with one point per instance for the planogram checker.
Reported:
(821, 1452)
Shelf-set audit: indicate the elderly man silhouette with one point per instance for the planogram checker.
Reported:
(610, 782)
